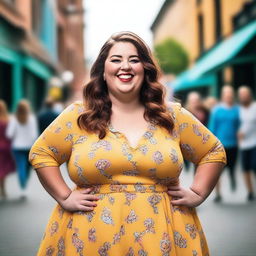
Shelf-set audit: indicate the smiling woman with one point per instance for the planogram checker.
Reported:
(124, 147)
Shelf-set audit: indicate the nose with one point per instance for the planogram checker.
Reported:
(126, 65)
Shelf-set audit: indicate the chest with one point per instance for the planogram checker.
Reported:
(156, 155)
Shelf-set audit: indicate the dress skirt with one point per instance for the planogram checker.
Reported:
(128, 220)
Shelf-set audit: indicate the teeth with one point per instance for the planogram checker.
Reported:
(125, 76)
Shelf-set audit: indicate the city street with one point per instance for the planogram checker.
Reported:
(229, 227)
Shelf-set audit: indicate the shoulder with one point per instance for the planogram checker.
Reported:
(12, 120)
(217, 108)
(173, 107)
(254, 104)
(179, 113)
(76, 108)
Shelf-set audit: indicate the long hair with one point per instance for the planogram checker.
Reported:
(3, 112)
(23, 111)
(97, 103)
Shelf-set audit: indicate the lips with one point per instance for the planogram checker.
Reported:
(127, 77)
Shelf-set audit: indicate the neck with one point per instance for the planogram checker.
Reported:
(125, 105)
(247, 104)
(229, 104)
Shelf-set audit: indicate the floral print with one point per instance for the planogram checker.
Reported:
(134, 216)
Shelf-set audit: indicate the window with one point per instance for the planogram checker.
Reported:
(201, 32)
(217, 11)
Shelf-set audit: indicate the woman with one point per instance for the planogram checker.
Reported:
(7, 164)
(22, 130)
(123, 151)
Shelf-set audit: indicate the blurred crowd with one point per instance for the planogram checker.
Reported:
(18, 132)
(232, 118)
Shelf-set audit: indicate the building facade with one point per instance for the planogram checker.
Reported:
(205, 28)
(33, 48)
(71, 42)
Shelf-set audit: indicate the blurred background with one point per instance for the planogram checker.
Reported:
(46, 50)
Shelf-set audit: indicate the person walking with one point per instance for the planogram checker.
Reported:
(47, 115)
(22, 130)
(124, 147)
(247, 137)
(224, 123)
(7, 164)
(195, 106)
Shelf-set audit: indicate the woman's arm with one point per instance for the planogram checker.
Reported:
(54, 184)
(205, 179)
(201, 147)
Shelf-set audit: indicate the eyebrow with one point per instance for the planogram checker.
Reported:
(119, 56)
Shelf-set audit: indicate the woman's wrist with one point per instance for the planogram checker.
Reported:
(199, 194)
(64, 195)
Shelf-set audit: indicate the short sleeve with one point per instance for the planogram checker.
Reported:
(198, 144)
(54, 145)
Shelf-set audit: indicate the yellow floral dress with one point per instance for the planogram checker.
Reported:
(134, 215)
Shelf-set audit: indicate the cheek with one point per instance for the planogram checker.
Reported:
(139, 71)
(110, 69)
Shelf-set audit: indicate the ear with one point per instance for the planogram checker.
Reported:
(104, 77)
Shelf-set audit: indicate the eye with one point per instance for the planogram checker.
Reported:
(134, 60)
(115, 60)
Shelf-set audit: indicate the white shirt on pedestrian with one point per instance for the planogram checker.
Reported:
(22, 136)
(248, 126)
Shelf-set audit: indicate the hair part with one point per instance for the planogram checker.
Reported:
(97, 103)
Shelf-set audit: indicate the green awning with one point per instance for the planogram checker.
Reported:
(183, 82)
(37, 67)
(219, 56)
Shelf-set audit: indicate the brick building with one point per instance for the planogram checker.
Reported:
(39, 39)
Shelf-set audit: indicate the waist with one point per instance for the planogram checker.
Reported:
(122, 188)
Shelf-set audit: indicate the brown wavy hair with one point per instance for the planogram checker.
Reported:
(97, 103)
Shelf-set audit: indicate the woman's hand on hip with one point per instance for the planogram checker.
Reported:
(80, 200)
(184, 197)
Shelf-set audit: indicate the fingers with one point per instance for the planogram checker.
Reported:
(91, 197)
(85, 208)
(88, 203)
(178, 202)
(174, 187)
(86, 190)
(175, 193)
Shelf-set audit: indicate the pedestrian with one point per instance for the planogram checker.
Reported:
(195, 105)
(209, 103)
(224, 123)
(22, 130)
(247, 137)
(47, 115)
(122, 145)
(7, 164)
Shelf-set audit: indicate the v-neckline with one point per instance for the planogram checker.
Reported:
(151, 126)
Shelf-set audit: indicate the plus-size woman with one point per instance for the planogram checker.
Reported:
(124, 146)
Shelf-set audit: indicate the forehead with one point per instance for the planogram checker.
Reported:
(244, 91)
(123, 49)
(227, 90)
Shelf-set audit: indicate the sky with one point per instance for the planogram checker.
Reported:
(105, 17)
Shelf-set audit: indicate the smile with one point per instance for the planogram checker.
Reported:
(125, 77)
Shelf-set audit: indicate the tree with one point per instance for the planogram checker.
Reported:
(172, 57)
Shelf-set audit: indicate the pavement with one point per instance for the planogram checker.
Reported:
(230, 226)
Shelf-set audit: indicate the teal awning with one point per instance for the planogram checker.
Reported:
(219, 56)
(184, 82)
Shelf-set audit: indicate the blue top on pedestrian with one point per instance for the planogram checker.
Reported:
(224, 123)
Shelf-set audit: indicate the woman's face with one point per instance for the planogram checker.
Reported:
(123, 71)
